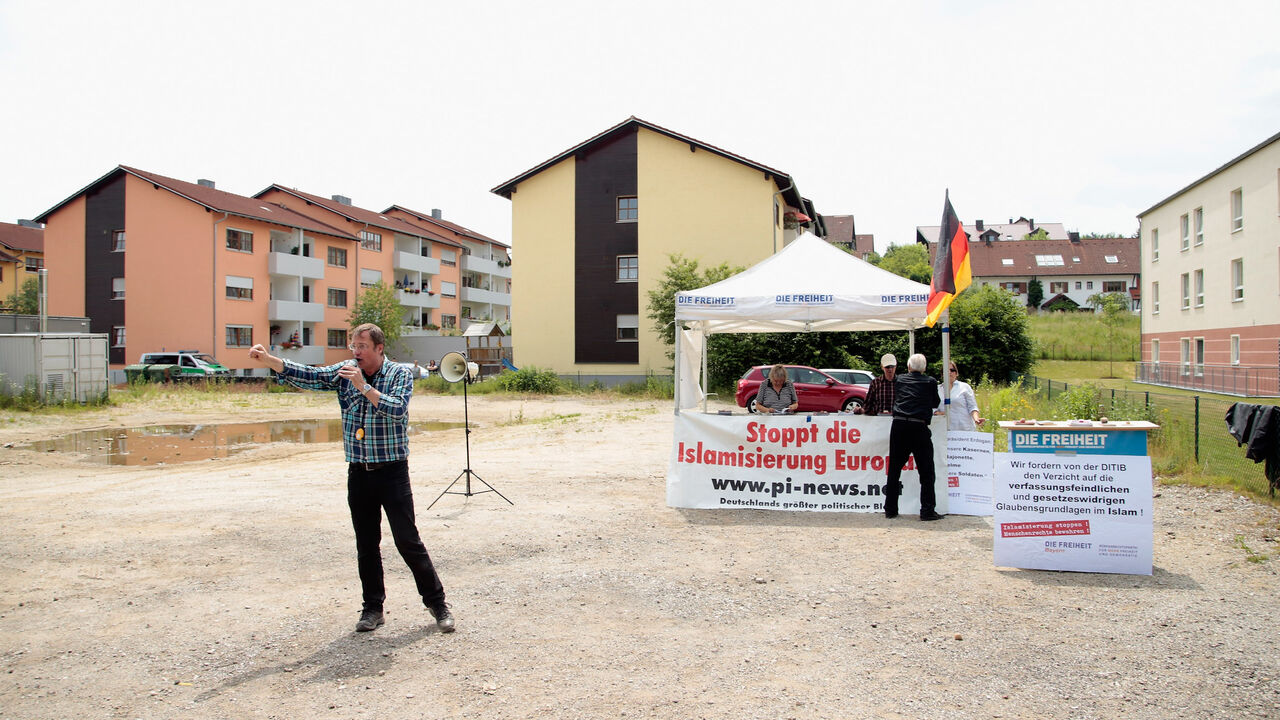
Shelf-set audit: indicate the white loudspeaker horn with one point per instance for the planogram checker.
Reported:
(453, 367)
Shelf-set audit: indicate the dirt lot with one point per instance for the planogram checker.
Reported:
(227, 589)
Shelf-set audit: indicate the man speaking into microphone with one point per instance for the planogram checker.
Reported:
(374, 396)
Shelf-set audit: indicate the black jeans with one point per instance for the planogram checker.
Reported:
(910, 438)
(369, 492)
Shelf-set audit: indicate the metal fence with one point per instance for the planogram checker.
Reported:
(1193, 433)
(1244, 380)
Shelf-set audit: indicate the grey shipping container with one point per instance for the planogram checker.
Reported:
(58, 366)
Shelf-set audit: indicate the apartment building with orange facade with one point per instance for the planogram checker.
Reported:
(160, 263)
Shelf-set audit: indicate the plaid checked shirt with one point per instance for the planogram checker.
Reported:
(386, 427)
(879, 397)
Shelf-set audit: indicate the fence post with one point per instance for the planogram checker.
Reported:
(1148, 399)
(1197, 428)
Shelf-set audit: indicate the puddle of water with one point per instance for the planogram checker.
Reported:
(171, 444)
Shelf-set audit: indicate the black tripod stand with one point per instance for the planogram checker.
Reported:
(466, 423)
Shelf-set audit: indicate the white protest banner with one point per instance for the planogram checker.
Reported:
(970, 455)
(1085, 513)
(820, 463)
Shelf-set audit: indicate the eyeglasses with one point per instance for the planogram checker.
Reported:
(889, 367)
(954, 370)
(359, 348)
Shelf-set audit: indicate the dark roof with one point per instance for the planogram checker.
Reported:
(1229, 163)
(359, 214)
(217, 200)
(632, 124)
(450, 226)
(20, 238)
(6, 257)
(987, 259)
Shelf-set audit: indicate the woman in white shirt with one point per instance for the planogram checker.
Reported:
(962, 414)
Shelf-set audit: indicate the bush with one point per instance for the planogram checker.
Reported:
(530, 379)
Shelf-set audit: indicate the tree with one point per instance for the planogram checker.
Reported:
(1035, 293)
(1113, 307)
(26, 300)
(681, 274)
(908, 261)
(379, 305)
(1039, 234)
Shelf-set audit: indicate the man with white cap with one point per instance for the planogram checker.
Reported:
(880, 392)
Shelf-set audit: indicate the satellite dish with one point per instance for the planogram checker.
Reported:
(453, 367)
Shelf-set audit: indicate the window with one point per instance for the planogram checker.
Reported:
(1237, 280)
(628, 209)
(1186, 355)
(1155, 298)
(1088, 285)
(371, 241)
(1199, 288)
(239, 336)
(369, 278)
(448, 321)
(1155, 244)
(1186, 291)
(34, 264)
(1185, 224)
(1007, 262)
(628, 268)
(1058, 287)
(628, 328)
(117, 336)
(1079, 284)
(1017, 288)
(1155, 350)
(117, 288)
(1200, 357)
(239, 288)
(1049, 260)
(1237, 209)
(337, 258)
(1112, 286)
(448, 289)
(448, 257)
(1111, 259)
(337, 338)
(239, 240)
(1235, 349)
(1198, 216)
(337, 299)
(117, 241)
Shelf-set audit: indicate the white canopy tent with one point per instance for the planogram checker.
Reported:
(810, 286)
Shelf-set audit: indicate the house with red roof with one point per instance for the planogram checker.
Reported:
(21, 255)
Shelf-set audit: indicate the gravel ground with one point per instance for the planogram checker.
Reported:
(227, 589)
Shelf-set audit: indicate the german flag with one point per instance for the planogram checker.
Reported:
(951, 264)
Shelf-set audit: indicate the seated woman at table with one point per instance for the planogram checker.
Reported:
(777, 394)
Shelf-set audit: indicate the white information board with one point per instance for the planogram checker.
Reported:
(1085, 513)
(970, 455)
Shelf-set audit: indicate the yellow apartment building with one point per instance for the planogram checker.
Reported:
(596, 225)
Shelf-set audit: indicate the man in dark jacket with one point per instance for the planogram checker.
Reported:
(915, 400)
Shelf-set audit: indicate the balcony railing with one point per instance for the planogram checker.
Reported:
(418, 299)
(292, 310)
(1243, 380)
(295, 265)
(487, 297)
(413, 262)
(474, 263)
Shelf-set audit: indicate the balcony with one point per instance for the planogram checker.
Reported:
(295, 265)
(485, 265)
(417, 300)
(292, 310)
(487, 297)
(414, 262)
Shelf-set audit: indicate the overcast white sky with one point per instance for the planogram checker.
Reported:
(1079, 112)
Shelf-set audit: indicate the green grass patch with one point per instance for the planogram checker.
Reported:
(1083, 336)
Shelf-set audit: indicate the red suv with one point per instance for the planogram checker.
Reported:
(818, 391)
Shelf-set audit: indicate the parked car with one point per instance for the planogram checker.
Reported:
(851, 377)
(817, 391)
(177, 365)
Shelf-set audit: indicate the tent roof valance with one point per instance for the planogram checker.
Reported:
(810, 286)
